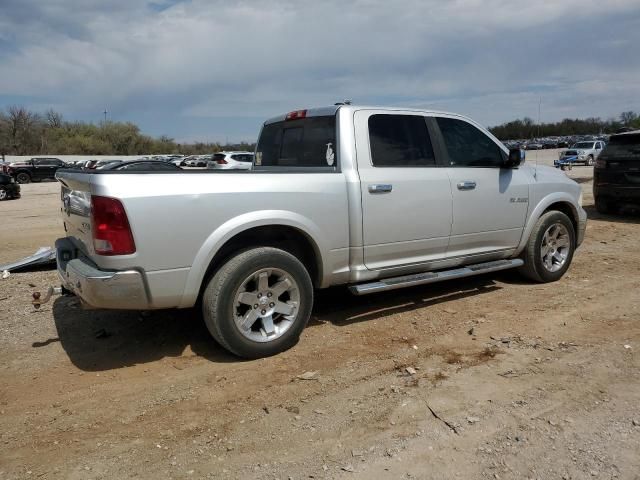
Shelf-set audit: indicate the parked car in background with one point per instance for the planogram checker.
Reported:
(534, 146)
(581, 152)
(9, 188)
(616, 175)
(140, 165)
(197, 160)
(231, 161)
(35, 169)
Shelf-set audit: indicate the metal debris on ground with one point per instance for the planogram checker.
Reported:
(44, 256)
(307, 376)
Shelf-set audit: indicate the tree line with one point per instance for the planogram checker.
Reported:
(528, 129)
(24, 132)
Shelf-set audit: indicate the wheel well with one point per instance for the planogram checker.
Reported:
(568, 210)
(286, 238)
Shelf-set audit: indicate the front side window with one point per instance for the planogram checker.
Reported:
(303, 142)
(400, 141)
(468, 146)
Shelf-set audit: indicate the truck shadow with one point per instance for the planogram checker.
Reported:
(625, 215)
(98, 340)
(341, 308)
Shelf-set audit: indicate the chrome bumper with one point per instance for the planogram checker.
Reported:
(98, 288)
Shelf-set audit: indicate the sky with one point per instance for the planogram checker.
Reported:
(213, 70)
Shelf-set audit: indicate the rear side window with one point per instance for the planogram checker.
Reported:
(627, 145)
(467, 146)
(400, 141)
(305, 142)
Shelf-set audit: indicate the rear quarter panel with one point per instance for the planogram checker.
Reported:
(179, 221)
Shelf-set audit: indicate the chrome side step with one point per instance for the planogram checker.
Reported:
(433, 277)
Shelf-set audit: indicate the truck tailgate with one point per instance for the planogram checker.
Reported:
(76, 209)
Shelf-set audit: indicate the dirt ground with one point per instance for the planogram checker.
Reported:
(506, 379)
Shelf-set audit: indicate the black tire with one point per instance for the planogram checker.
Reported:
(604, 206)
(23, 177)
(219, 297)
(590, 161)
(4, 195)
(533, 267)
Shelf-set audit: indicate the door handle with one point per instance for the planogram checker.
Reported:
(380, 188)
(466, 185)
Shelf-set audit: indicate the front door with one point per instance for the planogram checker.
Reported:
(406, 197)
(490, 202)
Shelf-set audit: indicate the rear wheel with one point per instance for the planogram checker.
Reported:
(3, 193)
(23, 177)
(258, 303)
(550, 248)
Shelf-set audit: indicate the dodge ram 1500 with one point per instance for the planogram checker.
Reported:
(375, 198)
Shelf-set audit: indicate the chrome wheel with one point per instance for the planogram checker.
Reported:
(3, 194)
(266, 305)
(555, 247)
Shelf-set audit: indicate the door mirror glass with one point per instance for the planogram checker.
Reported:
(515, 159)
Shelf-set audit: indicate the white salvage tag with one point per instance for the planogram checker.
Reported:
(330, 156)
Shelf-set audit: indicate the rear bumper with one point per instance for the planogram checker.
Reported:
(618, 193)
(98, 288)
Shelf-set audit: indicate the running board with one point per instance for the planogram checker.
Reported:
(433, 277)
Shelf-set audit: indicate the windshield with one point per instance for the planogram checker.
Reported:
(583, 145)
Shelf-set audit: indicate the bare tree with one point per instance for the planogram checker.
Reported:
(23, 129)
(628, 117)
(54, 119)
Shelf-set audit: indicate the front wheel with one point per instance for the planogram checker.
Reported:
(23, 178)
(3, 193)
(258, 303)
(550, 248)
(590, 161)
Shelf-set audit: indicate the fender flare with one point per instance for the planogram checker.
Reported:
(225, 232)
(540, 208)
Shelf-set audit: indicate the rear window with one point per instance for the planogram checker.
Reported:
(242, 158)
(305, 142)
(624, 146)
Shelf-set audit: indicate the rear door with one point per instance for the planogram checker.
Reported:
(406, 195)
(490, 203)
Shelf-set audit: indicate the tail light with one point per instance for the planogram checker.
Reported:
(111, 231)
(221, 161)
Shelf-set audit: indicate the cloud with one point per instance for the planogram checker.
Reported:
(186, 67)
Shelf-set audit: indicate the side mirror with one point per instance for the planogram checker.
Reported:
(516, 158)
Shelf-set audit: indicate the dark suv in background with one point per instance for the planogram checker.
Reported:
(616, 175)
(8, 187)
(35, 169)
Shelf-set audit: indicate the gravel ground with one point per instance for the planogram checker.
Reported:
(491, 377)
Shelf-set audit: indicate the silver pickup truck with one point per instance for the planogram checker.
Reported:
(374, 198)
